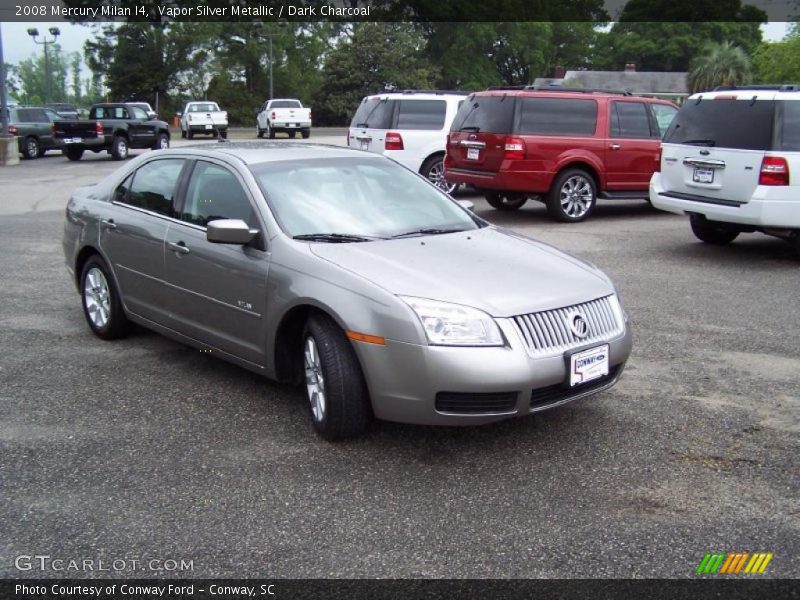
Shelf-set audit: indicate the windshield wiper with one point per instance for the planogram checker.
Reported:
(474, 128)
(426, 231)
(374, 108)
(700, 142)
(335, 237)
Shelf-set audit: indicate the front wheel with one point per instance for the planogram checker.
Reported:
(102, 306)
(506, 201)
(119, 148)
(572, 197)
(710, 233)
(30, 147)
(73, 152)
(433, 171)
(334, 384)
(162, 142)
(259, 131)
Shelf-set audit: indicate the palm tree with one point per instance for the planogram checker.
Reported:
(719, 64)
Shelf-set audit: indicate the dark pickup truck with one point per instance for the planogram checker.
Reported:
(115, 128)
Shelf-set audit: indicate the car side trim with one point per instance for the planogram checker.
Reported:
(703, 199)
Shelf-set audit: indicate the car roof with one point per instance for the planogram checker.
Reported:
(746, 94)
(254, 152)
(422, 95)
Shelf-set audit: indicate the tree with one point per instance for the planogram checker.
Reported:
(779, 62)
(719, 64)
(33, 77)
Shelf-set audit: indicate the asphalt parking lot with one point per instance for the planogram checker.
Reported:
(142, 449)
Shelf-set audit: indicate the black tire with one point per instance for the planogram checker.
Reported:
(506, 201)
(346, 410)
(116, 324)
(120, 148)
(711, 233)
(572, 197)
(30, 147)
(270, 132)
(306, 133)
(259, 131)
(183, 134)
(433, 170)
(224, 134)
(292, 133)
(162, 142)
(42, 152)
(73, 152)
(190, 134)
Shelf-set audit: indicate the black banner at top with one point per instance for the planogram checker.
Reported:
(599, 11)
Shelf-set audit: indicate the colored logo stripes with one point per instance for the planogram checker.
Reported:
(734, 563)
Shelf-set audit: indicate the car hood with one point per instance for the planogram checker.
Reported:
(497, 271)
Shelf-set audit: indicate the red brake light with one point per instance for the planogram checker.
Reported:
(273, 115)
(774, 171)
(12, 129)
(658, 160)
(515, 148)
(394, 141)
(98, 127)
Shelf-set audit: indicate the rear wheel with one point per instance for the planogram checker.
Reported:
(270, 132)
(292, 133)
(506, 201)
(190, 134)
(162, 142)
(183, 134)
(433, 171)
(119, 148)
(30, 147)
(572, 197)
(711, 233)
(102, 306)
(334, 384)
(306, 133)
(73, 152)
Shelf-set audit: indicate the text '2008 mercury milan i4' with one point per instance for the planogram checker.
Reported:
(345, 271)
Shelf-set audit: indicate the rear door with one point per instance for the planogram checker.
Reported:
(631, 146)
(478, 133)
(714, 147)
(369, 125)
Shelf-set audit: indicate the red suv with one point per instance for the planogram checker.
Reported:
(561, 146)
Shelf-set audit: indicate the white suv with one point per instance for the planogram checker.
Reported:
(409, 126)
(727, 161)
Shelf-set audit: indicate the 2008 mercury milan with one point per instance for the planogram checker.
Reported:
(342, 269)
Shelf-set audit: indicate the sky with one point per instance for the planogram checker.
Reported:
(18, 45)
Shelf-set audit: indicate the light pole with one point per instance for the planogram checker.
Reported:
(34, 33)
(3, 98)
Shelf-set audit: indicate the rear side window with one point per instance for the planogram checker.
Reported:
(630, 120)
(374, 113)
(664, 115)
(108, 112)
(421, 114)
(790, 128)
(154, 185)
(725, 123)
(557, 116)
(39, 116)
(492, 114)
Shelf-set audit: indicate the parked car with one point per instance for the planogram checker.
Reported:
(32, 125)
(562, 146)
(345, 271)
(730, 161)
(145, 106)
(410, 127)
(203, 117)
(65, 111)
(115, 128)
(283, 115)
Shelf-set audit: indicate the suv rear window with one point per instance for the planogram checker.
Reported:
(790, 129)
(285, 104)
(492, 114)
(421, 114)
(375, 113)
(724, 123)
(557, 116)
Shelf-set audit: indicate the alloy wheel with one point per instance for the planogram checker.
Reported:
(97, 297)
(576, 196)
(315, 382)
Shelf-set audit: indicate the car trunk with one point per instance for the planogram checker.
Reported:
(370, 124)
(477, 140)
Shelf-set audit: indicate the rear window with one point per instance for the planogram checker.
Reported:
(790, 129)
(493, 114)
(285, 104)
(203, 107)
(557, 116)
(375, 113)
(725, 123)
(421, 114)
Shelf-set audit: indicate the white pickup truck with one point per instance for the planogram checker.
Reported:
(203, 117)
(287, 115)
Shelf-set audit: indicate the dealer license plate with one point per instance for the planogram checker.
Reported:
(291, 124)
(703, 175)
(73, 140)
(208, 126)
(473, 153)
(588, 365)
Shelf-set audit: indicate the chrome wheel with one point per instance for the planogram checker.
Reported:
(163, 142)
(32, 148)
(576, 196)
(97, 297)
(315, 382)
(435, 175)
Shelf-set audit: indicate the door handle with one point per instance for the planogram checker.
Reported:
(108, 224)
(179, 248)
(615, 146)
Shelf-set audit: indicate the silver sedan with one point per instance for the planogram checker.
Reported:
(346, 273)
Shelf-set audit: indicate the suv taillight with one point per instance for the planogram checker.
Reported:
(774, 171)
(394, 141)
(515, 148)
(98, 127)
(658, 160)
(273, 115)
(12, 129)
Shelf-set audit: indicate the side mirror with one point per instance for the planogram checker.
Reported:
(468, 204)
(229, 231)
(179, 114)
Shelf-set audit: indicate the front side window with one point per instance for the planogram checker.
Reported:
(215, 193)
(557, 116)
(630, 120)
(421, 114)
(154, 185)
(139, 113)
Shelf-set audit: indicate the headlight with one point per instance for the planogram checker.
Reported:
(448, 324)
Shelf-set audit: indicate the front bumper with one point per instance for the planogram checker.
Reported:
(404, 379)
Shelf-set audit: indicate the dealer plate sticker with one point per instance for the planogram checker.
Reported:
(73, 140)
(473, 153)
(588, 365)
(208, 126)
(703, 175)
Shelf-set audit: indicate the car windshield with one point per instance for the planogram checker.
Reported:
(327, 199)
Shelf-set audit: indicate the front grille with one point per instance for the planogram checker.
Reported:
(469, 403)
(548, 333)
(558, 393)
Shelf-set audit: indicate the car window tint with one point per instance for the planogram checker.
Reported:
(215, 193)
(286, 104)
(122, 190)
(23, 115)
(492, 114)
(790, 128)
(38, 115)
(630, 120)
(374, 113)
(557, 116)
(664, 115)
(154, 185)
(421, 114)
(724, 123)
(138, 113)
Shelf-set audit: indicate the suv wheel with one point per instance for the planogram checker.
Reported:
(506, 201)
(433, 171)
(30, 148)
(119, 148)
(711, 233)
(259, 131)
(102, 305)
(572, 197)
